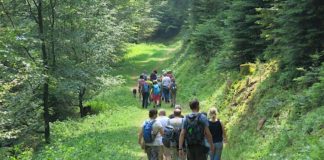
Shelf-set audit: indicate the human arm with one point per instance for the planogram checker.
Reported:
(161, 131)
(181, 141)
(207, 133)
(209, 138)
(140, 138)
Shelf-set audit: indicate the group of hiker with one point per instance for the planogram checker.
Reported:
(156, 89)
(179, 137)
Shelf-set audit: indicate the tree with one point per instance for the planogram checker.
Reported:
(244, 32)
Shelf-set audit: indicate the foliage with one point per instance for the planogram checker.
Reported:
(207, 40)
(294, 29)
(62, 51)
(171, 15)
(241, 22)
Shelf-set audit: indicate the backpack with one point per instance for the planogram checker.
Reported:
(146, 88)
(148, 131)
(173, 87)
(167, 136)
(195, 130)
(156, 89)
(171, 136)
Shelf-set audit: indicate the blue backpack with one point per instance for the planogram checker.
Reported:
(146, 88)
(148, 131)
(156, 89)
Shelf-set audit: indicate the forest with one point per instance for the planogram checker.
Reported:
(68, 67)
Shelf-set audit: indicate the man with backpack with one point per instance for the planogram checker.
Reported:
(173, 90)
(163, 119)
(140, 85)
(146, 88)
(166, 81)
(175, 108)
(194, 129)
(151, 133)
(176, 123)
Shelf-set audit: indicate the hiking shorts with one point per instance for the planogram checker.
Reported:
(156, 97)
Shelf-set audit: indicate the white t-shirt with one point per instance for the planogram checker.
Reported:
(157, 126)
(166, 81)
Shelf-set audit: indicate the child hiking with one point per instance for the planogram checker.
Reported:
(156, 94)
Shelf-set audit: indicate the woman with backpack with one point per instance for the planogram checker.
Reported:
(218, 133)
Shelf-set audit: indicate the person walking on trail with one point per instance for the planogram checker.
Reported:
(144, 75)
(164, 152)
(149, 82)
(145, 93)
(161, 86)
(218, 133)
(169, 74)
(176, 123)
(166, 81)
(149, 136)
(194, 129)
(173, 90)
(153, 75)
(156, 94)
(176, 107)
(140, 84)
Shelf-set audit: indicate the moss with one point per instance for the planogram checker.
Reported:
(247, 69)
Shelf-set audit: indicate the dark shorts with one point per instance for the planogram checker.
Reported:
(197, 152)
(152, 152)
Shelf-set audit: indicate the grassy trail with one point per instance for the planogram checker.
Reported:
(112, 134)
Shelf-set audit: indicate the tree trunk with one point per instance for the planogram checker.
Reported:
(45, 65)
(52, 32)
(81, 94)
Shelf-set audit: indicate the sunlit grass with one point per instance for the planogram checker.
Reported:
(112, 134)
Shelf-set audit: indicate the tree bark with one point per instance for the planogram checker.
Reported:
(45, 71)
(52, 32)
(81, 95)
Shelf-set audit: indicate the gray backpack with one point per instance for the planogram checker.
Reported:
(195, 130)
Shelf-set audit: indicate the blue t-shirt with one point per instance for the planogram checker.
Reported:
(202, 119)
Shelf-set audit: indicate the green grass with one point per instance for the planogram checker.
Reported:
(112, 134)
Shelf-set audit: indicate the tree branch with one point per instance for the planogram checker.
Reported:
(35, 3)
(31, 11)
(29, 55)
(7, 13)
(13, 26)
